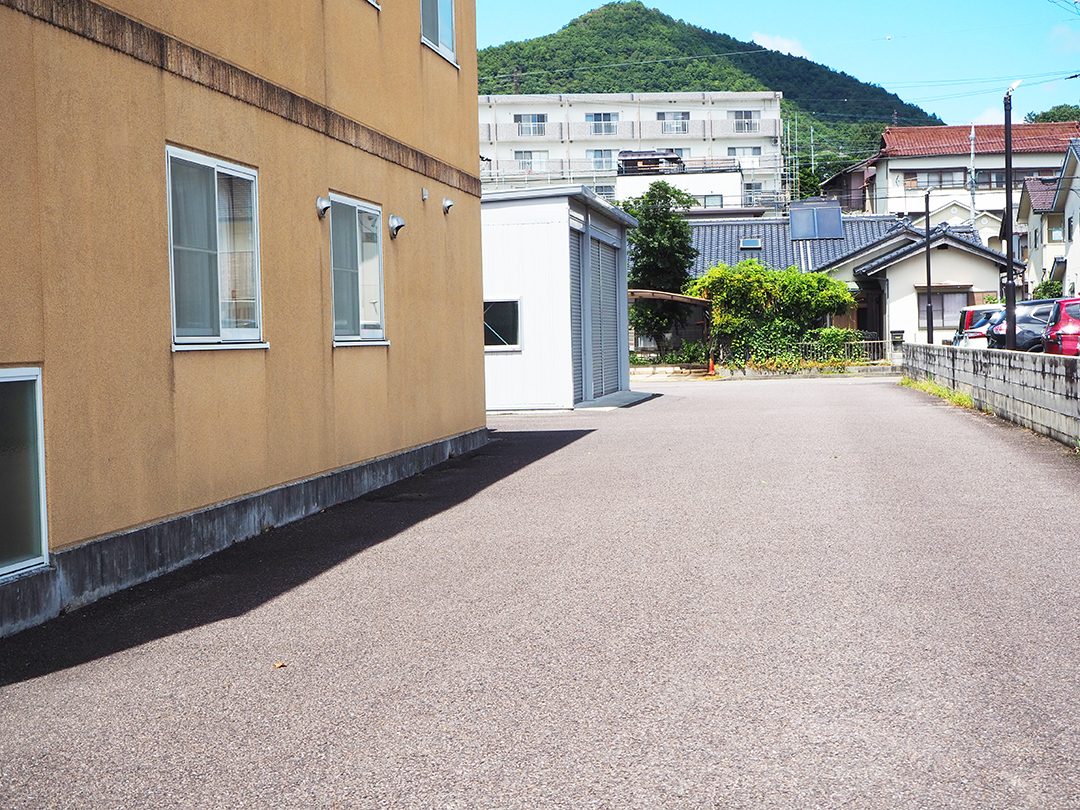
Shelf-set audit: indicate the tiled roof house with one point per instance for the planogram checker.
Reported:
(881, 258)
(1050, 209)
(913, 162)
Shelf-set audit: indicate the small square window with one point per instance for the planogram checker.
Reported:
(501, 325)
(356, 259)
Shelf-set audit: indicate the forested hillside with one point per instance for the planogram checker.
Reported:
(627, 47)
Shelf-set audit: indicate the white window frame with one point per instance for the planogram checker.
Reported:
(8, 375)
(531, 124)
(602, 159)
(603, 123)
(251, 335)
(745, 120)
(536, 160)
(674, 123)
(505, 347)
(438, 40)
(368, 335)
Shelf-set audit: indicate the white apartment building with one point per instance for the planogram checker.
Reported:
(723, 148)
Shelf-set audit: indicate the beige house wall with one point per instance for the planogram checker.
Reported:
(136, 432)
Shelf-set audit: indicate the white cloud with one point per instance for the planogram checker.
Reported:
(1065, 39)
(992, 115)
(788, 46)
(996, 115)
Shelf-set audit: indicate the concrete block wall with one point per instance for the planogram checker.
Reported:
(1038, 391)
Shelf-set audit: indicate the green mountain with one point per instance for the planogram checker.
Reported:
(625, 47)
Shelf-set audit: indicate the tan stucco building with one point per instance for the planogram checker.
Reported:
(213, 320)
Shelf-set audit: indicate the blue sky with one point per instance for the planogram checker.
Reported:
(955, 60)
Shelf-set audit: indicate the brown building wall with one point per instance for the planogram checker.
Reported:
(135, 432)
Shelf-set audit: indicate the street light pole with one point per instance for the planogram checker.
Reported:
(929, 298)
(1010, 284)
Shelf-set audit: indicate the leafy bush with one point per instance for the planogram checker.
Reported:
(1047, 289)
(691, 352)
(760, 314)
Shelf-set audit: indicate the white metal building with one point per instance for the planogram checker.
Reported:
(728, 144)
(555, 306)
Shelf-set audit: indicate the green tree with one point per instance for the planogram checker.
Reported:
(661, 253)
(758, 312)
(1055, 115)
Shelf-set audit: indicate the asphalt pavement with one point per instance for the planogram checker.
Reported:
(794, 594)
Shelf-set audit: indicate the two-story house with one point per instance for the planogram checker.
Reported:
(723, 148)
(232, 245)
(962, 168)
(1045, 227)
(1050, 210)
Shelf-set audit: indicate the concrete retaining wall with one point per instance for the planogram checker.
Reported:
(1038, 391)
(84, 573)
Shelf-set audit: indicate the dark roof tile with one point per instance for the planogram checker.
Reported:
(717, 242)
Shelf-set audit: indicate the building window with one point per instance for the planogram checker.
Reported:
(356, 260)
(603, 123)
(746, 120)
(531, 161)
(502, 328)
(1055, 227)
(744, 151)
(949, 178)
(986, 179)
(605, 192)
(947, 306)
(23, 540)
(437, 26)
(711, 200)
(213, 250)
(674, 123)
(1069, 231)
(531, 123)
(602, 159)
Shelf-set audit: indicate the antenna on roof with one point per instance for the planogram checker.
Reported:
(971, 182)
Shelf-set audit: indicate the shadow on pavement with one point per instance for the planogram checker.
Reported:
(246, 575)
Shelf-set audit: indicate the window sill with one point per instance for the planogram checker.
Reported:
(216, 347)
(445, 54)
(342, 344)
(502, 350)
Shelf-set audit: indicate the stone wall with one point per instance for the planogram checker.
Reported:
(1038, 391)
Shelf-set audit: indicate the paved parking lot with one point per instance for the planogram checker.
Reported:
(833, 593)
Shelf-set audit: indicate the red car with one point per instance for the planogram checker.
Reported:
(1062, 333)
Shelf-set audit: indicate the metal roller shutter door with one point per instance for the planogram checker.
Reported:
(576, 345)
(596, 336)
(609, 326)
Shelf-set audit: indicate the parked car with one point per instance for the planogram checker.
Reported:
(1062, 333)
(974, 321)
(1031, 317)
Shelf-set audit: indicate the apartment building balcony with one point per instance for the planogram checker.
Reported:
(630, 130)
(547, 171)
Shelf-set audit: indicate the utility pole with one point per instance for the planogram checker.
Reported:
(1010, 284)
(971, 179)
(929, 297)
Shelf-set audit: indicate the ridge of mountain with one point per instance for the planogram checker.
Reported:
(626, 47)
